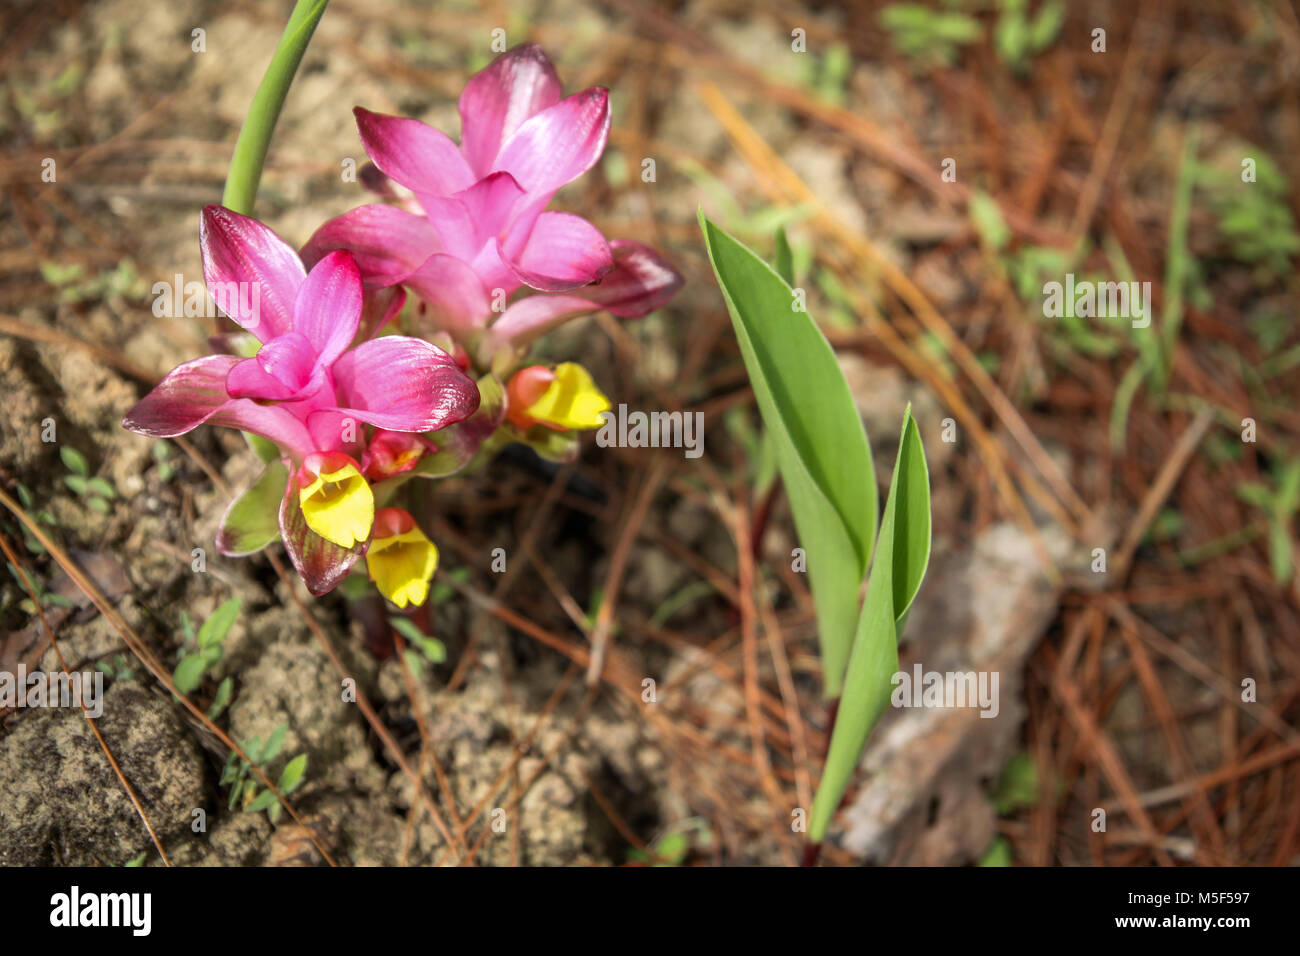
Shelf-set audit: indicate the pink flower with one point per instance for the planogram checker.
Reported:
(305, 379)
(477, 228)
(307, 389)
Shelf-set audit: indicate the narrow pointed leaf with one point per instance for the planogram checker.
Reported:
(821, 446)
(902, 553)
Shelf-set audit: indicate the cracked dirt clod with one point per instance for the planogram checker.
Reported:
(61, 803)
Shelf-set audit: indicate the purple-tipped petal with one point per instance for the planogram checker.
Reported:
(237, 249)
(467, 220)
(403, 384)
(321, 564)
(386, 242)
(563, 252)
(186, 397)
(640, 282)
(328, 309)
(195, 393)
(560, 143)
(453, 291)
(497, 99)
(414, 154)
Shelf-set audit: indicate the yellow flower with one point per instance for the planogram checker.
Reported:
(564, 399)
(336, 499)
(401, 560)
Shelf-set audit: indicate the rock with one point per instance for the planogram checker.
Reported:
(926, 769)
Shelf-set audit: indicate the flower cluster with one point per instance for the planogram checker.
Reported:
(350, 408)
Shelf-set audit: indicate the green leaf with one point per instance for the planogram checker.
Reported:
(902, 554)
(1017, 785)
(1253, 493)
(189, 673)
(432, 648)
(291, 776)
(783, 260)
(911, 517)
(1279, 552)
(101, 487)
(998, 853)
(821, 446)
(218, 624)
(263, 801)
(263, 447)
(273, 744)
(253, 519)
(1287, 498)
(74, 460)
(406, 627)
(77, 484)
(986, 215)
(224, 691)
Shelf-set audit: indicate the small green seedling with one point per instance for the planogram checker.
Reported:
(1019, 37)
(95, 492)
(927, 36)
(1279, 503)
(201, 652)
(424, 649)
(244, 788)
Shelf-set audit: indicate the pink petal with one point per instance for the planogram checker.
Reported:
(282, 369)
(413, 153)
(237, 249)
(273, 422)
(528, 318)
(387, 242)
(378, 309)
(560, 143)
(563, 252)
(321, 564)
(195, 393)
(328, 309)
(249, 379)
(453, 291)
(640, 282)
(498, 98)
(334, 429)
(468, 219)
(186, 397)
(403, 384)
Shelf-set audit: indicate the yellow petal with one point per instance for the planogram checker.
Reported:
(402, 565)
(572, 401)
(339, 505)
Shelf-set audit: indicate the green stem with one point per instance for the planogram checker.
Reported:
(255, 137)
